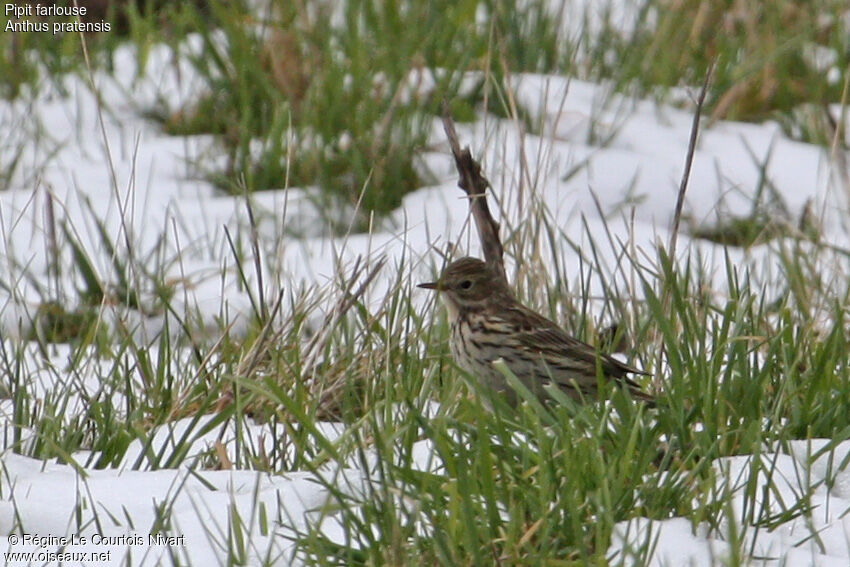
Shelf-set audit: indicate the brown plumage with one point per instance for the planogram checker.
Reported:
(488, 323)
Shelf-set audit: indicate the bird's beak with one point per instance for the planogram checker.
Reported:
(430, 285)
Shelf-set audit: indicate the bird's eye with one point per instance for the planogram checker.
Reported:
(466, 284)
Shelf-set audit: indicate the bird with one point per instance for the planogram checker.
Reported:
(488, 323)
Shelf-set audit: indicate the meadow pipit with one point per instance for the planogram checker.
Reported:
(488, 324)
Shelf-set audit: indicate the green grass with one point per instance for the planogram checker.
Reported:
(754, 366)
(298, 101)
(331, 97)
(751, 356)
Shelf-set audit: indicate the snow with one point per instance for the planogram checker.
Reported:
(52, 499)
(802, 478)
(113, 167)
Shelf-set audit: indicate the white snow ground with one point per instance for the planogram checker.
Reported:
(155, 196)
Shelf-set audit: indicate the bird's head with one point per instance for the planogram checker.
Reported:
(468, 283)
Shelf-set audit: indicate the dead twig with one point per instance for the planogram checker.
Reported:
(475, 185)
(689, 160)
(677, 215)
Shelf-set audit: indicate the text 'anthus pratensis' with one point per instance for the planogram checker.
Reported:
(488, 324)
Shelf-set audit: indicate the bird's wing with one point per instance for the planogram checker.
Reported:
(537, 333)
